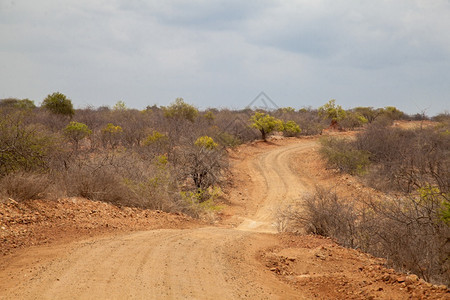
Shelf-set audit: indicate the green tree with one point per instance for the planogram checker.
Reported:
(111, 135)
(290, 128)
(76, 132)
(59, 104)
(25, 104)
(206, 142)
(180, 110)
(369, 113)
(393, 113)
(332, 111)
(265, 123)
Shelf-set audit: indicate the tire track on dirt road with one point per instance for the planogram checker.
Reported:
(281, 185)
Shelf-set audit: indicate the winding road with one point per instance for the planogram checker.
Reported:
(205, 263)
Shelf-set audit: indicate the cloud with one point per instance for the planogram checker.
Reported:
(225, 52)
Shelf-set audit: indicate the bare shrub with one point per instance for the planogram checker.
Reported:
(100, 184)
(408, 159)
(410, 234)
(408, 231)
(23, 147)
(24, 186)
(324, 213)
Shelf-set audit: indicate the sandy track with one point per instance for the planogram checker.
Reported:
(206, 263)
(275, 184)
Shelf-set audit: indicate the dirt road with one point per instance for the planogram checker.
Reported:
(206, 263)
(241, 258)
(274, 184)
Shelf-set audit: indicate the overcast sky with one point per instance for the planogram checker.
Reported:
(224, 53)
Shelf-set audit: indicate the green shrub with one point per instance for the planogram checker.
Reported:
(206, 142)
(290, 128)
(59, 104)
(180, 110)
(23, 147)
(76, 132)
(265, 123)
(340, 154)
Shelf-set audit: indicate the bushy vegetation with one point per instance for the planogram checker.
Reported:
(410, 225)
(169, 158)
(408, 231)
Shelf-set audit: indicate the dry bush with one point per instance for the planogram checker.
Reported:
(101, 184)
(407, 160)
(323, 213)
(341, 154)
(407, 231)
(24, 186)
(411, 235)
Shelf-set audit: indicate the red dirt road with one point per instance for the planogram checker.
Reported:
(243, 258)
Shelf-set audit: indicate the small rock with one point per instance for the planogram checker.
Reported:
(410, 279)
(401, 279)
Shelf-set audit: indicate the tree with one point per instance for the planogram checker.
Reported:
(59, 104)
(76, 132)
(120, 106)
(369, 113)
(25, 104)
(332, 111)
(181, 110)
(393, 113)
(290, 128)
(111, 134)
(22, 148)
(265, 123)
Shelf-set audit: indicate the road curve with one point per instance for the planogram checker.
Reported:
(206, 263)
(277, 185)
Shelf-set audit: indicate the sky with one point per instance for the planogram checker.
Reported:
(224, 53)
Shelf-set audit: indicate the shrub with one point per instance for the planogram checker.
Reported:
(206, 142)
(332, 112)
(23, 147)
(265, 123)
(324, 213)
(59, 104)
(202, 203)
(24, 186)
(290, 128)
(340, 154)
(111, 135)
(181, 110)
(408, 231)
(24, 104)
(76, 132)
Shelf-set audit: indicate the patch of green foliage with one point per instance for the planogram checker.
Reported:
(59, 104)
(76, 132)
(290, 128)
(180, 110)
(332, 111)
(266, 123)
(206, 142)
(154, 138)
(339, 154)
(22, 147)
